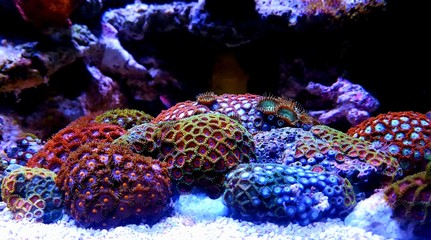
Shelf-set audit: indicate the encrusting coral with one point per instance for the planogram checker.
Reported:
(338, 8)
(325, 149)
(108, 185)
(350, 101)
(364, 150)
(31, 193)
(410, 198)
(45, 13)
(199, 150)
(406, 135)
(254, 112)
(303, 172)
(227, 75)
(181, 110)
(275, 192)
(125, 118)
(56, 150)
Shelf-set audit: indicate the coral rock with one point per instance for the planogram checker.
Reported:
(108, 185)
(410, 198)
(125, 118)
(274, 192)
(24, 149)
(45, 13)
(364, 150)
(350, 101)
(56, 150)
(16, 71)
(325, 149)
(258, 113)
(405, 135)
(10, 132)
(222, 22)
(199, 149)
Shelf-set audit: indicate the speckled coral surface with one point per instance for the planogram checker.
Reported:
(188, 225)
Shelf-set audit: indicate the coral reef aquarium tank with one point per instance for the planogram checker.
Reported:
(214, 119)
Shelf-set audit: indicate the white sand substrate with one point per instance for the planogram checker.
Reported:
(182, 226)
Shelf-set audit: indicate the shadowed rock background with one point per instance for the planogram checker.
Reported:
(151, 54)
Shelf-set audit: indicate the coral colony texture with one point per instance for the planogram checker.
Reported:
(258, 113)
(323, 149)
(125, 118)
(23, 150)
(255, 112)
(47, 13)
(410, 198)
(108, 185)
(362, 150)
(111, 111)
(31, 193)
(199, 150)
(56, 150)
(405, 135)
(181, 110)
(275, 192)
(351, 101)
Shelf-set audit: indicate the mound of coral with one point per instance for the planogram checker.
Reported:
(56, 150)
(254, 112)
(266, 157)
(125, 118)
(181, 110)
(362, 150)
(31, 193)
(405, 135)
(26, 145)
(47, 13)
(199, 150)
(108, 185)
(275, 192)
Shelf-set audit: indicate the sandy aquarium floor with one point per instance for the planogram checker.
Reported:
(182, 227)
(190, 221)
